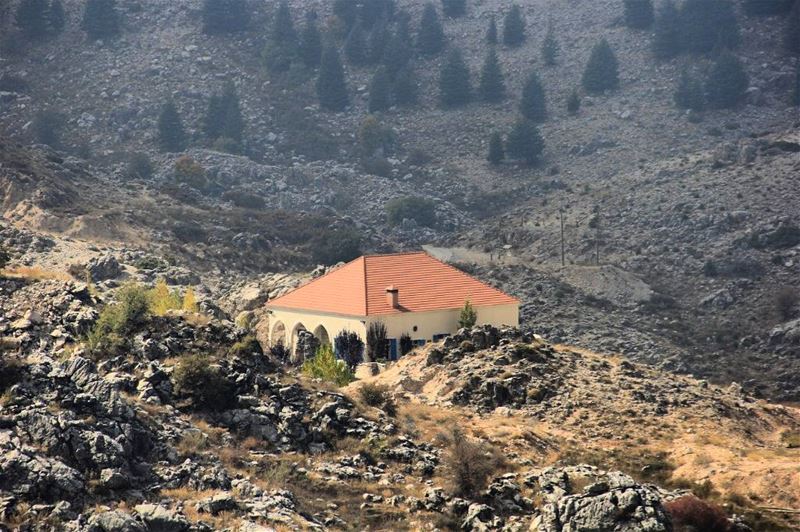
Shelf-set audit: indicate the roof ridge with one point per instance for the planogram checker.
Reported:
(418, 252)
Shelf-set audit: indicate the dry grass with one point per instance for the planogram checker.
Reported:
(34, 273)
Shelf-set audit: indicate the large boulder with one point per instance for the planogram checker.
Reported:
(586, 498)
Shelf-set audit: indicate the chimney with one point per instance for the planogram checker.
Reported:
(393, 296)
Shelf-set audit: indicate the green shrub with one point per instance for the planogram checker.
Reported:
(326, 367)
(139, 166)
(419, 209)
(245, 347)
(469, 463)
(337, 245)
(378, 396)
(377, 343)
(189, 171)
(47, 127)
(691, 513)
(203, 384)
(378, 166)
(468, 316)
(129, 311)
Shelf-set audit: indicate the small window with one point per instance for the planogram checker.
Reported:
(415, 328)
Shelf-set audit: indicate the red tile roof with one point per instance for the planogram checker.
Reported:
(359, 287)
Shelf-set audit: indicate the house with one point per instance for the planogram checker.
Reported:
(411, 293)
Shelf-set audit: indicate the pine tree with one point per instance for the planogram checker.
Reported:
(223, 118)
(689, 93)
(310, 48)
(283, 44)
(379, 97)
(430, 38)
(514, 27)
(791, 36)
(706, 24)
(404, 88)
(101, 19)
(492, 87)
(491, 32)
(56, 17)
(550, 47)
(638, 14)
(454, 8)
(454, 82)
(398, 50)
(496, 150)
(376, 43)
(601, 72)
(667, 40)
(573, 102)
(373, 12)
(468, 316)
(224, 16)
(524, 142)
(31, 18)
(283, 30)
(727, 82)
(533, 104)
(355, 46)
(331, 83)
(767, 7)
(233, 127)
(171, 135)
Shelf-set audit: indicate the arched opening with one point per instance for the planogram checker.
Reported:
(321, 333)
(278, 334)
(296, 331)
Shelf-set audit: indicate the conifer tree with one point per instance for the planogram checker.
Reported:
(31, 18)
(379, 91)
(331, 83)
(524, 142)
(727, 82)
(355, 46)
(767, 7)
(667, 39)
(310, 48)
(454, 8)
(454, 82)
(791, 36)
(533, 104)
(638, 13)
(496, 150)
(398, 50)
(602, 70)
(224, 116)
(56, 17)
(491, 31)
(101, 19)
(550, 47)
(224, 16)
(347, 12)
(492, 87)
(573, 102)
(283, 30)
(377, 41)
(171, 135)
(430, 38)
(706, 24)
(282, 46)
(404, 88)
(689, 93)
(514, 27)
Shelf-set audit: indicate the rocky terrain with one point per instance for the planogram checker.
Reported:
(103, 442)
(649, 367)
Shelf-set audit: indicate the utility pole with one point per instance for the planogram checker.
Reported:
(561, 217)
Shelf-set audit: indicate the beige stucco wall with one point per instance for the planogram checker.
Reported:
(443, 321)
(428, 323)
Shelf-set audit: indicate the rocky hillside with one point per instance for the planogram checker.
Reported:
(692, 215)
(193, 427)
